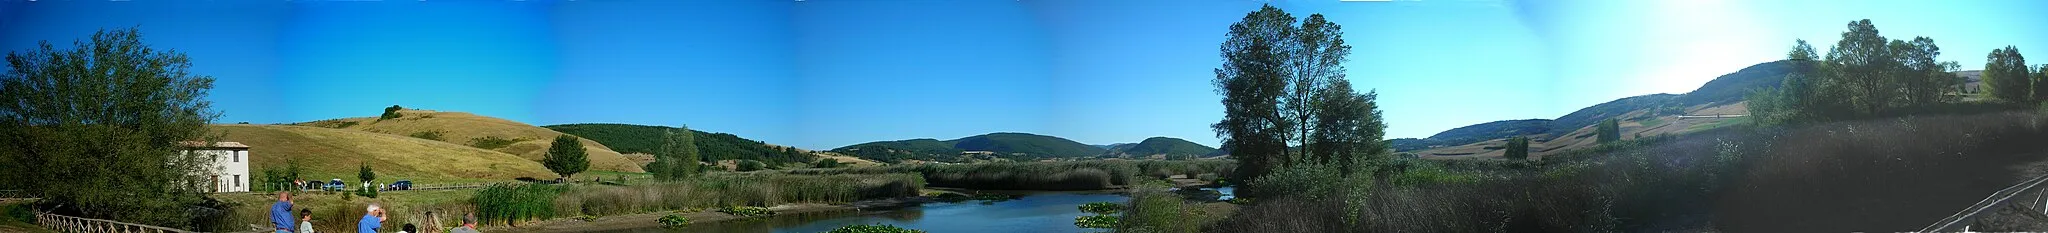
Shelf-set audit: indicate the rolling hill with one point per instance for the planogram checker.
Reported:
(645, 139)
(1640, 116)
(1013, 146)
(1164, 147)
(526, 141)
(326, 153)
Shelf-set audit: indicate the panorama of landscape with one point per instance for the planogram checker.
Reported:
(997, 116)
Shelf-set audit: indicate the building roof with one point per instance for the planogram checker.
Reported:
(222, 145)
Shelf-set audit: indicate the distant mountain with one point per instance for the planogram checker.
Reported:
(1113, 146)
(1170, 147)
(1723, 90)
(646, 139)
(1476, 133)
(1014, 146)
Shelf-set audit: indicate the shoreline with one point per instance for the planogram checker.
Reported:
(648, 220)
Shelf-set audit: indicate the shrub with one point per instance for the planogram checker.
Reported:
(746, 211)
(1609, 131)
(492, 142)
(428, 135)
(390, 113)
(873, 228)
(673, 220)
(1518, 148)
(827, 163)
(1308, 179)
(366, 192)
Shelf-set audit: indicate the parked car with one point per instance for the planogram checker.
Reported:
(400, 185)
(334, 185)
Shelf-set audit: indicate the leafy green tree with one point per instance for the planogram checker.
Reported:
(566, 156)
(364, 173)
(1517, 148)
(98, 128)
(1860, 61)
(1608, 130)
(2005, 75)
(391, 112)
(1316, 58)
(677, 159)
(1252, 79)
(1348, 128)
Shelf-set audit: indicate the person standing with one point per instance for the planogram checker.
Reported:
(468, 224)
(305, 220)
(373, 220)
(281, 213)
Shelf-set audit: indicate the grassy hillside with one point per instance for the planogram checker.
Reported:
(1729, 88)
(526, 141)
(1011, 146)
(1476, 133)
(713, 146)
(335, 153)
(1169, 147)
(1031, 145)
(896, 151)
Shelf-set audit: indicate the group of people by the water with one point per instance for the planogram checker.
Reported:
(372, 221)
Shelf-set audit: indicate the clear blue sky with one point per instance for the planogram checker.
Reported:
(826, 73)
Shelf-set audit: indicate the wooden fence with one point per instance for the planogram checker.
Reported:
(69, 224)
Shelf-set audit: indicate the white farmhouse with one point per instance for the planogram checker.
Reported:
(230, 165)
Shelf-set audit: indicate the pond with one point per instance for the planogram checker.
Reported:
(1034, 212)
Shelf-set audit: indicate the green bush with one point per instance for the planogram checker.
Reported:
(873, 228)
(366, 192)
(711, 191)
(1102, 208)
(428, 135)
(1609, 131)
(1095, 221)
(511, 203)
(1307, 179)
(391, 113)
(673, 220)
(492, 142)
(747, 165)
(746, 211)
(1518, 148)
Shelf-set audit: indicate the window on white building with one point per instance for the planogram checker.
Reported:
(238, 181)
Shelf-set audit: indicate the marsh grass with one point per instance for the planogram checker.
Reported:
(723, 190)
(1889, 174)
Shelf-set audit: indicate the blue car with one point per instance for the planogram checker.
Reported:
(334, 185)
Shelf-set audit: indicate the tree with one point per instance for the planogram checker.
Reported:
(1251, 80)
(677, 158)
(1609, 131)
(391, 112)
(99, 128)
(827, 163)
(1517, 148)
(1317, 59)
(1861, 62)
(365, 174)
(2005, 75)
(566, 156)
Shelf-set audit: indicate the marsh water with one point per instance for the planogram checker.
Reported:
(1033, 212)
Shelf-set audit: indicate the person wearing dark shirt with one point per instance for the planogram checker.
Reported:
(281, 213)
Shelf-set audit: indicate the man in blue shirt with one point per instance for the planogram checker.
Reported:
(373, 219)
(281, 213)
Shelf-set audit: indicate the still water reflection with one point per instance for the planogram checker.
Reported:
(1038, 212)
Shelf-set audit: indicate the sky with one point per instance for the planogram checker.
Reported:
(820, 74)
